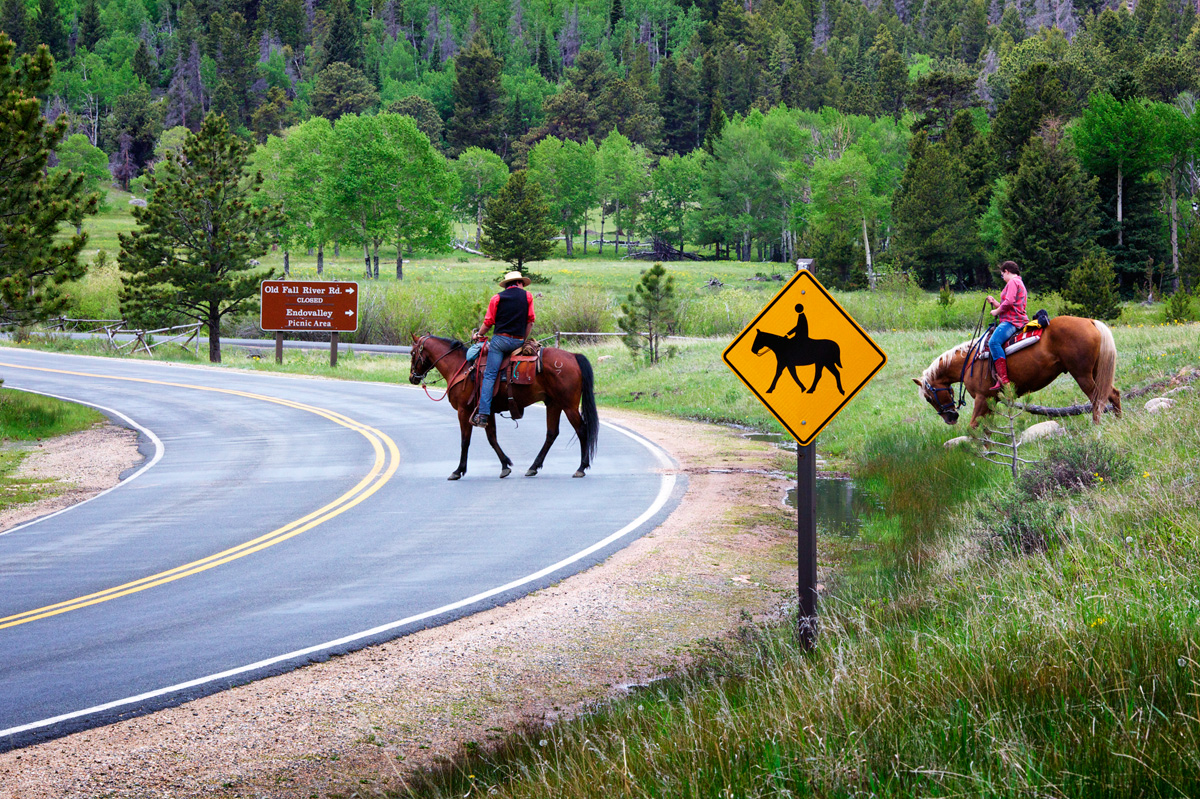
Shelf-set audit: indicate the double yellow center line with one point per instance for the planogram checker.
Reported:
(387, 460)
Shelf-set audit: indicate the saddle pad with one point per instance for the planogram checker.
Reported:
(1026, 338)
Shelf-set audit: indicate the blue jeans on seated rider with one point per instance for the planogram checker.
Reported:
(996, 342)
(499, 347)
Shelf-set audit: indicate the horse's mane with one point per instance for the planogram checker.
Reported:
(453, 343)
(943, 361)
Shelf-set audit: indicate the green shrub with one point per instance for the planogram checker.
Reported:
(579, 309)
(1091, 288)
(1014, 521)
(1178, 308)
(1071, 464)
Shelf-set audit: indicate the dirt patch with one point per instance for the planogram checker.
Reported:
(361, 722)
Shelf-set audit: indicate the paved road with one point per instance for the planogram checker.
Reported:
(278, 520)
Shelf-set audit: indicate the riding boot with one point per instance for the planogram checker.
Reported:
(1001, 374)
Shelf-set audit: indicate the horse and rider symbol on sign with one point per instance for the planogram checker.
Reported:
(839, 347)
(797, 349)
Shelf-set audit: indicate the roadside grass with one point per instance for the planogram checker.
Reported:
(28, 417)
(967, 668)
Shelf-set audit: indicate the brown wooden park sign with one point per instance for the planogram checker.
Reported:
(308, 306)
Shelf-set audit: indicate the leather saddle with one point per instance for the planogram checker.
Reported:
(1027, 336)
(515, 370)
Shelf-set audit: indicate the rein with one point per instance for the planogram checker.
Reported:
(969, 361)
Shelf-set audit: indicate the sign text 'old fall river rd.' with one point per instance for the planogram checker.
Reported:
(290, 306)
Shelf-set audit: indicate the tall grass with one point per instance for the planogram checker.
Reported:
(982, 673)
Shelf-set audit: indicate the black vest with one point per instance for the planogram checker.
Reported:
(512, 312)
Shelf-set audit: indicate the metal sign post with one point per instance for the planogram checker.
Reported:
(806, 542)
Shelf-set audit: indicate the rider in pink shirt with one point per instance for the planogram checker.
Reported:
(1009, 311)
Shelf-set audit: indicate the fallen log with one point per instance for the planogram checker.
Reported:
(458, 245)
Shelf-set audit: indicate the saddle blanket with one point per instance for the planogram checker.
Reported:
(1026, 338)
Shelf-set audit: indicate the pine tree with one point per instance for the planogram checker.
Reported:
(345, 40)
(479, 113)
(1091, 288)
(50, 30)
(14, 20)
(91, 28)
(615, 14)
(34, 259)
(936, 233)
(1049, 217)
(649, 313)
(193, 252)
(517, 227)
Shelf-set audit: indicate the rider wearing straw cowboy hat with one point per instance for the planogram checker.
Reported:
(511, 311)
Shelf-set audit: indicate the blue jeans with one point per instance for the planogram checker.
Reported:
(996, 342)
(499, 347)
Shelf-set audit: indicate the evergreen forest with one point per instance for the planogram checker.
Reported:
(934, 138)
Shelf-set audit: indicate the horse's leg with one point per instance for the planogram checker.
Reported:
(464, 426)
(1115, 399)
(980, 409)
(816, 378)
(553, 414)
(505, 463)
(778, 372)
(576, 420)
(836, 376)
(792, 369)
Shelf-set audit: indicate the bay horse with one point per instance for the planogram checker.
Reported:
(1082, 348)
(793, 352)
(565, 385)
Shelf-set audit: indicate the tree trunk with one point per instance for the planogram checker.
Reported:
(337, 249)
(867, 247)
(585, 221)
(399, 265)
(1174, 232)
(1120, 209)
(478, 225)
(602, 228)
(214, 335)
(287, 263)
(617, 227)
(320, 258)
(367, 257)
(375, 273)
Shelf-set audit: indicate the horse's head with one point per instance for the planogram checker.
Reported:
(934, 384)
(941, 397)
(420, 363)
(758, 342)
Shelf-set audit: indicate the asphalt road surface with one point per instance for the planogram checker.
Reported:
(277, 521)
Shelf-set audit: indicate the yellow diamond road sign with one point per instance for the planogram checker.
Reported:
(804, 357)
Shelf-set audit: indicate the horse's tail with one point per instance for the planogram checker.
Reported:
(1105, 369)
(587, 406)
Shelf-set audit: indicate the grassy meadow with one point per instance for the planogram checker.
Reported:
(27, 418)
(983, 638)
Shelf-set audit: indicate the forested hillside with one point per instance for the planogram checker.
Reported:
(935, 137)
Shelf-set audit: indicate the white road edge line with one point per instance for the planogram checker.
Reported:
(158, 453)
(664, 493)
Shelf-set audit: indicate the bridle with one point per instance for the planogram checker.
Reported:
(419, 352)
(948, 406)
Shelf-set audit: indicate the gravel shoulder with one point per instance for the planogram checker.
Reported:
(358, 724)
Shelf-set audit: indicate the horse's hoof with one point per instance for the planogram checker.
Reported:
(505, 472)
(579, 473)
(531, 473)
(455, 476)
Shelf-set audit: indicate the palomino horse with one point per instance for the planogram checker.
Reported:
(564, 384)
(1082, 348)
(793, 352)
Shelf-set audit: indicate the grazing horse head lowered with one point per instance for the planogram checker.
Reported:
(1082, 348)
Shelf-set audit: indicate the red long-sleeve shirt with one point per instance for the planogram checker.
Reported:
(1012, 303)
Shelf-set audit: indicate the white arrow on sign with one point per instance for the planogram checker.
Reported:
(349, 313)
(349, 291)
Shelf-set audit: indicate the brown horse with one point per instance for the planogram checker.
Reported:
(564, 385)
(1082, 348)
